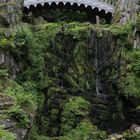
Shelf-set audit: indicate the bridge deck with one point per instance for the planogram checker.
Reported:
(93, 3)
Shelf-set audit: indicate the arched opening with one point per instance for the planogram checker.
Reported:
(82, 8)
(109, 17)
(46, 5)
(89, 9)
(53, 5)
(102, 14)
(75, 6)
(95, 11)
(25, 10)
(68, 11)
(32, 8)
(39, 6)
(61, 5)
(67, 5)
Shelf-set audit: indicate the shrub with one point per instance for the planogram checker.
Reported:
(23, 36)
(20, 116)
(24, 97)
(130, 135)
(74, 110)
(3, 73)
(85, 131)
(6, 135)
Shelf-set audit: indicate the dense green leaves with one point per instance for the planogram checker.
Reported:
(20, 116)
(57, 64)
(6, 135)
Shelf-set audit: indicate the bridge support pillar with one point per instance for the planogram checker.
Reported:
(97, 19)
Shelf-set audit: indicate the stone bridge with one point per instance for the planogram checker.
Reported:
(100, 8)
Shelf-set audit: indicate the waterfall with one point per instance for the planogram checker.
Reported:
(98, 68)
(97, 83)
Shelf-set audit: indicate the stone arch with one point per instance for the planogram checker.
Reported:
(100, 11)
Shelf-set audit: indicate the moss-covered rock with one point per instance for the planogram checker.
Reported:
(10, 12)
(74, 111)
(71, 73)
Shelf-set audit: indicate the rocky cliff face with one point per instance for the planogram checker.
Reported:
(7, 60)
(79, 74)
(6, 102)
(10, 12)
(68, 81)
(126, 11)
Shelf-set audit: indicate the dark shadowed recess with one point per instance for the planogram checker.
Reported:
(86, 12)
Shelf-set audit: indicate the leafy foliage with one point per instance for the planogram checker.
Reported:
(25, 98)
(130, 79)
(131, 135)
(54, 58)
(74, 109)
(20, 116)
(6, 135)
(3, 73)
(84, 131)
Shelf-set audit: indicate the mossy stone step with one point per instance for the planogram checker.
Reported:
(3, 112)
(100, 106)
(99, 111)
(7, 123)
(6, 105)
(6, 101)
(99, 101)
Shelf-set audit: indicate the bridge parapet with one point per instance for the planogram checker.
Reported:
(100, 4)
(94, 8)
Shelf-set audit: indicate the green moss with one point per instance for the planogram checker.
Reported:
(7, 39)
(138, 22)
(24, 97)
(74, 109)
(20, 116)
(56, 90)
(55, 64)
(34, 135)
(84, 131)
(4, 73)
(6, 135)
(131, 135)
(129, 81)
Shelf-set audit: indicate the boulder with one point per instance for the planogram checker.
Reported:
(135, 128)
(116, 136)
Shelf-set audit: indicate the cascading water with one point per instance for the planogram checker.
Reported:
(97, 84)
(95, 52)
(101, 54)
